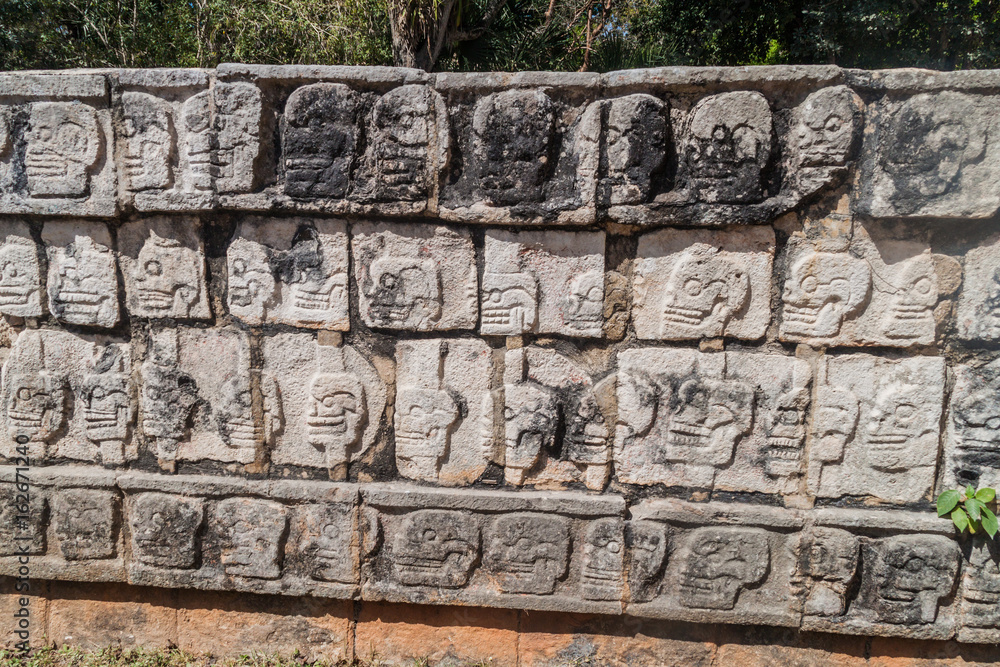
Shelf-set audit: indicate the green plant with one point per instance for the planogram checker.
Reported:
(968, 509)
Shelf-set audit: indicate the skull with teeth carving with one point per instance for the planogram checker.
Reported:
(702, 293)
(822, 291)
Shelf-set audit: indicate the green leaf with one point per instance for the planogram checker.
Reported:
(986, 494)
(960, 519)
(990, 523)
(973, 506)
(947, 501)
(970, 492)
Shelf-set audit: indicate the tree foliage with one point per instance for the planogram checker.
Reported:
(596, 35)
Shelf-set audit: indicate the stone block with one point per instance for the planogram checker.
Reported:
(83, 277)
(855, 287)
(414, 277)
(972, 435)
(876, 427)
(92, 616)
(525, 550)
(333, 401)
(543, 282)
(289, 271)
(69, 396)
(979, 593)
(445, 417)
(731, 421)
(930, 155)
(163, 262)
(556, 420)
(64, 164)
(21, 286)
(691, 284)
(978, 317)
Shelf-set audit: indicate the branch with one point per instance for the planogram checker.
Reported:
(491, 14)
(444, 19)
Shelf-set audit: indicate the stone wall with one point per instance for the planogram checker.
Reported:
(699, 345)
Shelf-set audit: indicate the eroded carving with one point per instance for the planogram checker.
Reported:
(109, 404)
(825, 128)
(719, 563)
(513, 141)
(84, 523)
(63, 144)
(635, 147)
(828, 558)
(20, 276)
(36, 396)
(251, 537)
(167, 396)
(83, 282)
(404, 292)
(165, 528)
(973, 452)
(329, 531)
(410, 142)
(436, 548)
(319, 139)
(648, 543)
(980, 588)
(908, 577)
(603, 559)
(702, 294)
(148, 142)
(199, 144)
(509, 304)
(728, 145)
(527, 552)
(822, 290)
(237, 135)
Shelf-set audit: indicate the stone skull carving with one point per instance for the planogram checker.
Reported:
(20, 278)
(167, 276)
(320, 140)
(897, 424)
(709, 416)
(976, 418)
(828, 557)
(823, 290)
(252, 286)
(199, 144)
(234, 413)
(928, 140)
(530, 419)
(83, 283)
(825, 127)
(423, 421)
(407, 141)
(586, 435)
(981, 587)
(329, 530)
(337, 414)
(719, 563)
(648, 543)
(911, 574)
(148, 142)
(728, 146)
(83, 520)
(585, 307)
(834, 422)
(702, 294)
(314, 287)
(36, 396)
(237, 130)
(513, 138)
(166, 399)
(250, 537)
(108, 405)
(509, 304)
(786, 433)
(436, 548)
(403, 291)
(528, 552)
(636, 143)
(165, 528)
(603, 559)
(911, 312)
(63, 144)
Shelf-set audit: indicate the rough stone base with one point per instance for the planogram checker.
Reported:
(206, 622)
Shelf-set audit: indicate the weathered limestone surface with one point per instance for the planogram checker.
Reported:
(699, 345)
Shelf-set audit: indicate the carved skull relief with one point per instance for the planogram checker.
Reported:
(320, 139)
(528, 552)
(337, 414)
(786, 433)
(251, 284)
(237, 130)
(36, 397)
(20, 278)
(165, 528)
(63, 143)
(586, 435)
(251, 534)
(530, 416)
(509, 303)
(83, 283)
(911, 574)
(719, 563)
(168, 278)
(436, 548)
(585, 307)
(408, 141)
(728, 146)
(513, 137)
(702, 294)
(84, 523)
(825, 127)
(975, 414)
(829, 558)
(822, 290)
(708, 418)
(199, 143)
(636, 143)
(981, 587)
(423, 420)
(329, 530)
(167, 398)
(403, 291)
(834, 422)
(148, 145)
(911, 311)
(648, 543)
(603, 559)
(897, 424)
(108, 405)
